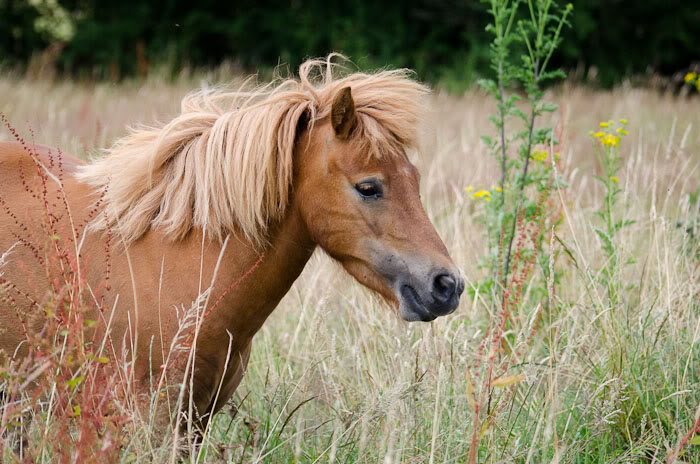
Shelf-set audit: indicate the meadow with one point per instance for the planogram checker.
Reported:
(335, 376)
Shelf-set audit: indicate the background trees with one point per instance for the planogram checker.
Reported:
(443, 40)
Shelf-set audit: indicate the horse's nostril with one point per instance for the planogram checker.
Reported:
(460, 287)
(444, 287)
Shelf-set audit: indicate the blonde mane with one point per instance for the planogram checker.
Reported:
(226, 162)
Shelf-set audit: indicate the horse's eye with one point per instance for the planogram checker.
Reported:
(369, 189)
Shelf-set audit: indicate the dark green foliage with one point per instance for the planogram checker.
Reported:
(631, 37)
(443, 40)
(18, 37)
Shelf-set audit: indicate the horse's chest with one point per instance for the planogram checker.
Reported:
(215, 388)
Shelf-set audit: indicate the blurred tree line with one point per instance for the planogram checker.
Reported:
(443, 40)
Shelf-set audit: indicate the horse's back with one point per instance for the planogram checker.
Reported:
(27, 193)
(15, 156)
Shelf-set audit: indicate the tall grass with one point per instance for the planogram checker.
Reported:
(334, 376)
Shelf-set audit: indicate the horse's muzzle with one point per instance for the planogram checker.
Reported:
(439, 296)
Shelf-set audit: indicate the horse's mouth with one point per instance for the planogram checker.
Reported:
(411, 306)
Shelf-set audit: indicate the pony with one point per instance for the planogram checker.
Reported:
(223, 206)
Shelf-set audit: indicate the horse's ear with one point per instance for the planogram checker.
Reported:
(343, 117)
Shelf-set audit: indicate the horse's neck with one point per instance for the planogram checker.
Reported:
(255, 281)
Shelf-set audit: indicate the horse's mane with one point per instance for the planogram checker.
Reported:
(226, 161)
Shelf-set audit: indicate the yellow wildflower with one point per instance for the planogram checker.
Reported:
(539, 155)
(498, 189)
(610, 140)
(623, 121)
(621, 131)
(468, 189)
(485, 194)
(604, 124)
(690, 77)
(599, 134)
(614, 179)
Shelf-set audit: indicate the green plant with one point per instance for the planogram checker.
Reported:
(607, 149)
(526, 176)
(516, 212)
(693, 80)
(691, 225)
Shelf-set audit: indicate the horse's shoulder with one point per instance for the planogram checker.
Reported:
(13, 156)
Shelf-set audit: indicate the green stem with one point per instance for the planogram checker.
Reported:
(501, 109)
(523, 178)
(609, 203)
(555, 39)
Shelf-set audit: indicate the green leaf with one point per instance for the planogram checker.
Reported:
(566, 249)
(72, 384)
(487, 140)
(489, 85)
(519, 113)
(549, 107)
(620, 224)
(607, 240)
(512, 99)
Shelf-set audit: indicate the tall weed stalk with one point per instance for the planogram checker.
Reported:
(518, 213)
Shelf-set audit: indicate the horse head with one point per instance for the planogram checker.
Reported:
(364, 209)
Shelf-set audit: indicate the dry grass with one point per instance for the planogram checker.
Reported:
(335, 377)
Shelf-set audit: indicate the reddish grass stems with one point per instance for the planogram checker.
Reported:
(528, 244)
(66, 380)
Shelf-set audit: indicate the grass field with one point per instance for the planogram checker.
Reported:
(335, 376)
